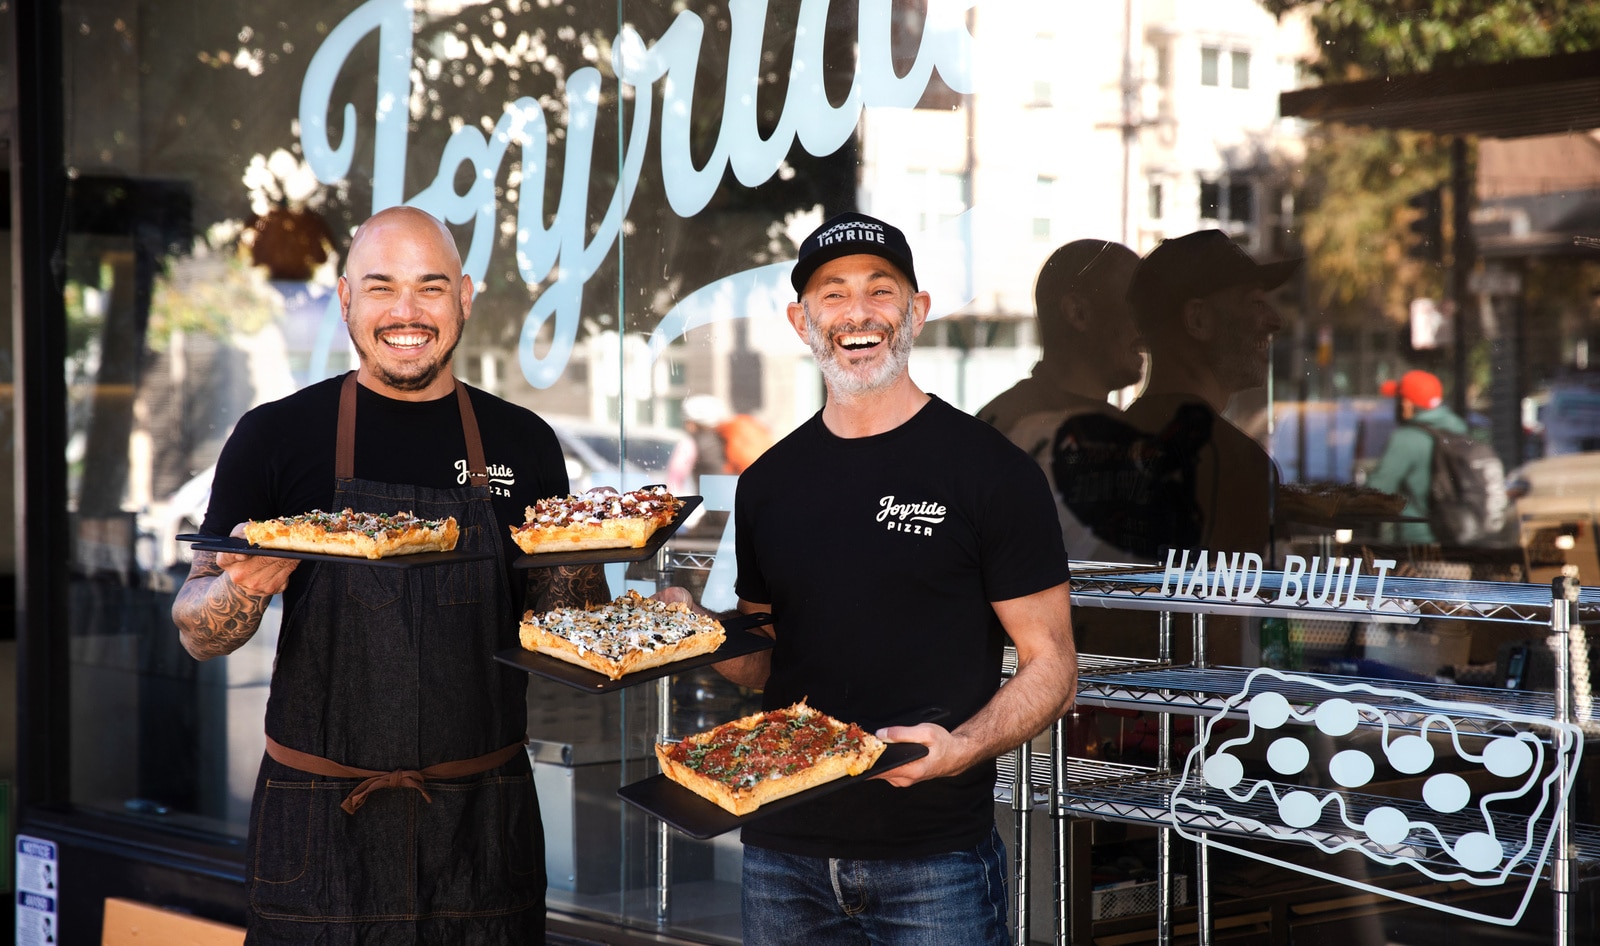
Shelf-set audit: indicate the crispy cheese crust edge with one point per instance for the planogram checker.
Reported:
(605, 534)
(305, 537)
(744, 801)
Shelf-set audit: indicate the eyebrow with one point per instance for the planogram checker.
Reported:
(385, 277)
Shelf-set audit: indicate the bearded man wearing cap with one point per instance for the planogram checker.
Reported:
(1406, 467)
(898, 543)
(1201, 304)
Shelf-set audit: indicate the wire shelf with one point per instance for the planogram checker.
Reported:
(1124, 586)
(1149, 801)
(1196, 691)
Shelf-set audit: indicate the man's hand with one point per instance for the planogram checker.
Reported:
(256, 575)
(944, 753)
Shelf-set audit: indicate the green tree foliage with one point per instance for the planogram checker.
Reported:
(1356, 180)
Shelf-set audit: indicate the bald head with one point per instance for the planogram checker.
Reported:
(1091, 274)
(408, 223)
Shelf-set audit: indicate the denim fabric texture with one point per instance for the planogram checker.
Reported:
(956, 899)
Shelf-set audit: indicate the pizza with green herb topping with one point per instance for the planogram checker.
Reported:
(355, 534)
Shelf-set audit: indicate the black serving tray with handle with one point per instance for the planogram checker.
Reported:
(665, 799)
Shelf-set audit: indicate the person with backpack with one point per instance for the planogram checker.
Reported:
(1449, 479)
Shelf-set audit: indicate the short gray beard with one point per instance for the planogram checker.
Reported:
(844, 383)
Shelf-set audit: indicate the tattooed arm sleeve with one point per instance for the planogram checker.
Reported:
(214, 616)
(575, 586)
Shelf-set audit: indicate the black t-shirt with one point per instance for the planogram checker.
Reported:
(279, 460)
(880, 557)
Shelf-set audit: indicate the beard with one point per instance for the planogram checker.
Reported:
(1237, 363)
(846, 381)
(405, 376)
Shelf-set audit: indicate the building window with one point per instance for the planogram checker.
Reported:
(1241, 69)
(1209, 59)
(1041, 228)
(1210, 200)
(1041, 92)
(1154, 208)
(1241, 201)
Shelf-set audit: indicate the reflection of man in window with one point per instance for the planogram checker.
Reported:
(1201, 304)
(1089, 347)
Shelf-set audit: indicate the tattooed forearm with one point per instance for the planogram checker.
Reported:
(575, 586)
(214, 616)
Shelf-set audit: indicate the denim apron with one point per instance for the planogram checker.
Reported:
(396, 803)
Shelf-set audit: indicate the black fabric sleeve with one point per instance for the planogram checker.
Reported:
(241, 488)
(1022, 550)
(749, 584)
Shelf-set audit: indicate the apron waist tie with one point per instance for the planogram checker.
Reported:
(399, 778)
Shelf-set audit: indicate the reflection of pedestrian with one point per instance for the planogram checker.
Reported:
(1089, 347)
(1406, 467)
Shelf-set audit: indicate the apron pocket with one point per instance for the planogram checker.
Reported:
(481, 847)
(314, 861)
(375, 588)
(464, 583)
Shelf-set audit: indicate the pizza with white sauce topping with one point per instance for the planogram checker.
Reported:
(631, 633)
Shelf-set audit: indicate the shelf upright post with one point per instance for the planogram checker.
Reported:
(1164, 918)
(1564, 593)
(1059, 829)
(1202, 854)
(1022, 815)
(663, 730)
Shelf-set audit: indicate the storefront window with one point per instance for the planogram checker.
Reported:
(627, 184)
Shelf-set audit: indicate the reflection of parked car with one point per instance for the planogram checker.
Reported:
(595, 453)
(1564, 418)
(1567, 485)
(1557, 500)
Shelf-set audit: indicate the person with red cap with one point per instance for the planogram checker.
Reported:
(1406, 467)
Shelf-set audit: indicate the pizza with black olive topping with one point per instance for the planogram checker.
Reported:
(629, 634)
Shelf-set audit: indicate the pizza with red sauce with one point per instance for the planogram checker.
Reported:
(745, 763)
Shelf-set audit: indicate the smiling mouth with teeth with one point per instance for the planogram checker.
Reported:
(411, 339)
(860, 341)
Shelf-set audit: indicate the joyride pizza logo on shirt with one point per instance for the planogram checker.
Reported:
(917, 518)
(501, 478)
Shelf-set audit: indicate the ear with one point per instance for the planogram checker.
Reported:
(921, 303)
(1197, 320)
(797, 318)
(466, 297)
(1075, 311)
(344, 298)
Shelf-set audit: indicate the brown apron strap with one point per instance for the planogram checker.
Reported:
(344, 464)
(477, 467)
(399, 778)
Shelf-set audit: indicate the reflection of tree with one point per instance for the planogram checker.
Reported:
(1357, 180)
(233, 98)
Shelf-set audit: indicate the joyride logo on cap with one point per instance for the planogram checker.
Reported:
(851, 234)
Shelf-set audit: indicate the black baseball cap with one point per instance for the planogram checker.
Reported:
(1196, 265)
(848, 234)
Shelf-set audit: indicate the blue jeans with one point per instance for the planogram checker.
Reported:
(944, 900)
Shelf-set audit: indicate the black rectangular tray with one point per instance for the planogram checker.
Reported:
(665, 799)
(607, 556)
(238, 545)
(739, 642)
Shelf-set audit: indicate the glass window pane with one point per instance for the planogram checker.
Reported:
(1209, 58)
